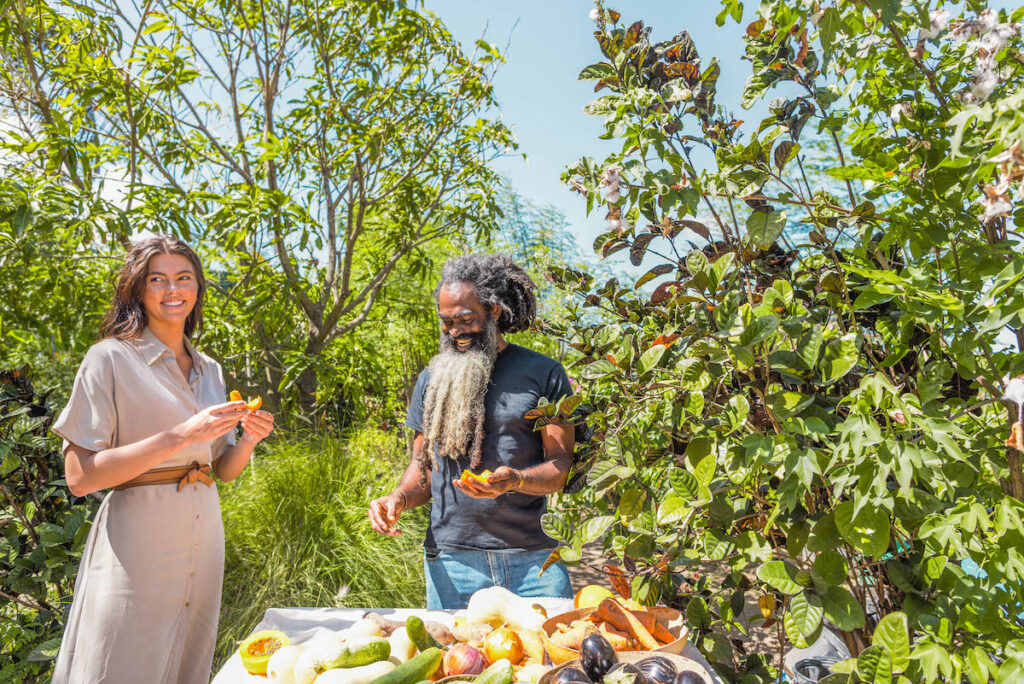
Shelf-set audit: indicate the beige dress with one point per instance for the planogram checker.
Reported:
(148, 590)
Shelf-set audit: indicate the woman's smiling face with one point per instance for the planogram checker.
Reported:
(171, 289)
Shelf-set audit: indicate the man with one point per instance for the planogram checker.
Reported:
(468, 410)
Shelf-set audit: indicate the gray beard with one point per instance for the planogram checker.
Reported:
(453, 408)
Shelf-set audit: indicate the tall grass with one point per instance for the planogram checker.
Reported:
(297, 533)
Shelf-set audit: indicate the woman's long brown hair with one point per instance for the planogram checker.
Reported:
(126, 318)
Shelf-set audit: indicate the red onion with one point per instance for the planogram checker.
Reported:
(463, 659)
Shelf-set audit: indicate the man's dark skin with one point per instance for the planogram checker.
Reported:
(463, 316)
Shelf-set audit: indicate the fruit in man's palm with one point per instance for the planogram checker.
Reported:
(257, 649)
(481, 478)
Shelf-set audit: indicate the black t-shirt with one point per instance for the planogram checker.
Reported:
(511, 522)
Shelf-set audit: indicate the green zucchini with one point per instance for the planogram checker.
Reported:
(419, 635)
(498, 673)
(417, 668)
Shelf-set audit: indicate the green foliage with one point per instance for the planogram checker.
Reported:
(822, 414)
(297, 533)
(308, 160)
(42, 532)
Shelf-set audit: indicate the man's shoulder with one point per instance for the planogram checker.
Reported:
(521, 355)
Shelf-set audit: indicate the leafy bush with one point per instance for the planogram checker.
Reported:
(826, 413)
(42, 532)
(297, 533)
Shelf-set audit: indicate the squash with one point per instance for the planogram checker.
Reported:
(257, 649)
(497, 606)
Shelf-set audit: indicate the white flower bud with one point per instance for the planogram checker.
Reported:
(595, 14)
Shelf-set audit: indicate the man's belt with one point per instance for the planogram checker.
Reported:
(183, 475)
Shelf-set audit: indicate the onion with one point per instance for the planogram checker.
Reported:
(503, 643)
(463, 659)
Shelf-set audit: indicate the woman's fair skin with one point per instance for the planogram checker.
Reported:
(171, 292)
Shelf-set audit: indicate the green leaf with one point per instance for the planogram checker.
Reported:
(736, 411)
(595, 527)
(842, 609)
(764, 228)
(651, 358)
(599, 369)
(874, 665)
(780, 575)
(684, 483)
(803, 618)
(868, 532)
(891, 633)
(672, 509)
(596, 72)
(759, 329)
(631, 503)
(839, 358)
(831, 567)
(809, 347)
(704, 471)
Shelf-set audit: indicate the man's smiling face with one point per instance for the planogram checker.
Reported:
(463, 317)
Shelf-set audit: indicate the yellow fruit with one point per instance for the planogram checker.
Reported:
(590, 596)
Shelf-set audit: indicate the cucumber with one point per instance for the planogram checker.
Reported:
(417, 631)
(359, 651)
(498, 673)
(418, 667)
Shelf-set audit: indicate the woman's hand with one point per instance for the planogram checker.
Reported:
(256, 426)
(211, 423)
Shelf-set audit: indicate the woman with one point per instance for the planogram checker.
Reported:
(147, 418)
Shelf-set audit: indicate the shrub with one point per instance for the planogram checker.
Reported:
(297, 531)
(825, 413)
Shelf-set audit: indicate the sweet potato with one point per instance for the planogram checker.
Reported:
(572, 637)
(611, 611)
(619, 640)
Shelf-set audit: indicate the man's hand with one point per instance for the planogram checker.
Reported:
(384, 514)
(501, 481)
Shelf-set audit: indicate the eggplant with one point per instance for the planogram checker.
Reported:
(570, 675)
(658, 669)
(626, 673)
(689, 677)
(597, 656)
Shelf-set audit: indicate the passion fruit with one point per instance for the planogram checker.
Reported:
(257, 649)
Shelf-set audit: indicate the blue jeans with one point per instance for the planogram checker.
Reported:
(454, 574)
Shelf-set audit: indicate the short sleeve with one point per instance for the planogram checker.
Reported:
(558, 385)
(414, 417)
(227, 440)
(89, 420)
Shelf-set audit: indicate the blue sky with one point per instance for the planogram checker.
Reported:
(547, 43)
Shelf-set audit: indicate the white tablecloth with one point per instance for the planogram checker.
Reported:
(302, 624)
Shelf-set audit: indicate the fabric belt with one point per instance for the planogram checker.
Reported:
(183, 475)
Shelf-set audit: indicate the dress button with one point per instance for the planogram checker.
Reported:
(197, 516)
(195, 487)
(187, 604)
(195, 547)
(192, 574)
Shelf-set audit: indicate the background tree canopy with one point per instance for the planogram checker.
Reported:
(801, 389)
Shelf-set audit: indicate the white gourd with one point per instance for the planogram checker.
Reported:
(497, 606)
(356, 675)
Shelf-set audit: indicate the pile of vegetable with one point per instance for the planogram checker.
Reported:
(599, 664)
